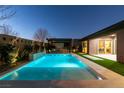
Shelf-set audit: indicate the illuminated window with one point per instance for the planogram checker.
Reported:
(85, 47)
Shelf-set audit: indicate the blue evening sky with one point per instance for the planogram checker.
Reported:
(64, 21)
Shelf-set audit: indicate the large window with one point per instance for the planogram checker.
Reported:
(85, 47)
(105, 46)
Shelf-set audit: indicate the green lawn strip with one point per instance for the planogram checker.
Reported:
(110, 64)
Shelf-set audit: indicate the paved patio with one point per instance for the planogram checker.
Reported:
(108, 56)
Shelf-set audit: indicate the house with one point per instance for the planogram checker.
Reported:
(17, 41)
(108, 41)
(64, 43)
(60, 42)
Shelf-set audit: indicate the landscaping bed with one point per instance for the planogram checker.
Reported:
(4, 68)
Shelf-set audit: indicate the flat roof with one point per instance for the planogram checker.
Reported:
(106, 31)
(59, 39)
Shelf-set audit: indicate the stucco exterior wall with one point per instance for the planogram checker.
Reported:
(115, 45)
(93, 46)
(19, 42)
(59, 45)
(120, 46)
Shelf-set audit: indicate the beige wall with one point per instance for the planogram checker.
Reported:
(7, 39)
(59, 45)
(19, 42)
(115, 45)
(93, 46)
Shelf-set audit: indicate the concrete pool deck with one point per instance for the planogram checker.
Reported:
(108, 56)
(111, 80)
(104, 72)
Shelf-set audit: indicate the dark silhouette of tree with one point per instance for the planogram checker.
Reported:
(7, 30)
(6, 12)
(41, 36)
(5, 56)
(36, 47)
(24, 54)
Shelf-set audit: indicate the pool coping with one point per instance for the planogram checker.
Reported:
(12, 69)
(102, 71)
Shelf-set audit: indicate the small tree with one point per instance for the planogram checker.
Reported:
(5, 50)
(41, 35)
(36, 47)
(24, 54)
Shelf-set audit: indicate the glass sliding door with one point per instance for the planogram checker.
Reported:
(108, 47)
(105, 46)
(101, 47)
(85, 47)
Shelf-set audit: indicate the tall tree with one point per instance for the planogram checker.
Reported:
(41, 36)
(7, 12)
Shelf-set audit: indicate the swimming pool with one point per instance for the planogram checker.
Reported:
(53, 67)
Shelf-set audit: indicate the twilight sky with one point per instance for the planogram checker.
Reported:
(64, 21)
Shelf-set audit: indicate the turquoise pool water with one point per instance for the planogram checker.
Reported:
(53, 67)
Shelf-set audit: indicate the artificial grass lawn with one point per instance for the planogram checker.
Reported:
(110, 64)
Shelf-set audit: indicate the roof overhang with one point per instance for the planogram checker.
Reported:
(107, 31)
